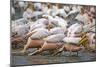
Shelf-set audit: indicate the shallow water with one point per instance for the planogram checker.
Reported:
(48, 59)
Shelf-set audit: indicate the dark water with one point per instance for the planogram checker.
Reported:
(48, 59)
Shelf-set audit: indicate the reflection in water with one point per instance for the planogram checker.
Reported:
(48, 59)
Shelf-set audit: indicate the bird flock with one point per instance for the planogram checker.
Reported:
(52, 25)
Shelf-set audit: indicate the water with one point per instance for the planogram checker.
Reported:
(48, 59)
